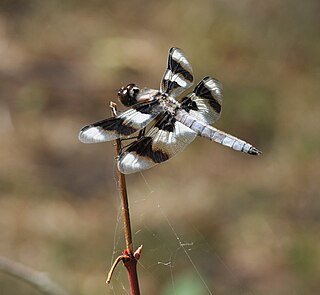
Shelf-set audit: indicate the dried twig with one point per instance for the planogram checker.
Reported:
(129, 258)
(113, 267)
(38, 279)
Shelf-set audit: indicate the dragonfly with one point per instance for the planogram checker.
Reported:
(159, 124)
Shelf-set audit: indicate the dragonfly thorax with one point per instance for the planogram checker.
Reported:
(168, 102)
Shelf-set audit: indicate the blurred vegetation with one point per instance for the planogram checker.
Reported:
(251, 225)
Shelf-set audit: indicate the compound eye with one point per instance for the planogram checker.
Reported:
(128, 94)
(134, 91)
(122, 92)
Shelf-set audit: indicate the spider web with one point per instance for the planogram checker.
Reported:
(163, 253)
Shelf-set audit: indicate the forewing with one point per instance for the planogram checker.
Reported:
(127, 123)
(163, 141)
(205, 102)
(178, 75)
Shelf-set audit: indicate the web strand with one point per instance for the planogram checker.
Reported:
(182, 246)
(173, 251)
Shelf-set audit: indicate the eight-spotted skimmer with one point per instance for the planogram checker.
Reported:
(173, 124)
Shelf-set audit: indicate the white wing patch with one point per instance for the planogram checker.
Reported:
(131, 163)
(96, 134)
(176, 78)
(135, 119)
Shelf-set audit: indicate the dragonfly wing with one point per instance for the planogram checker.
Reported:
(127, 123)
(178, 76)
(205, 102)
(163, 141)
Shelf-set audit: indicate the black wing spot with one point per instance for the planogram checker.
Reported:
(202, 91)
(113, 124)
(166, 122)
(177, 68)
(170, 85)
(188, 104)
(215, 105)
(143, 148)
(147, 107)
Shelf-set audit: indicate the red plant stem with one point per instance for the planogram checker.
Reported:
(131, 266)
(129, 260)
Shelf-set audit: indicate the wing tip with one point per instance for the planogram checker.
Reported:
(82, 134)
(126, 168)
(214, 80)
(95, 134)
(85, 139)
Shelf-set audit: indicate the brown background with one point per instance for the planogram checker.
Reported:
(250, 225)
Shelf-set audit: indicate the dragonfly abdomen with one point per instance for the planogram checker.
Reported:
(215, 134)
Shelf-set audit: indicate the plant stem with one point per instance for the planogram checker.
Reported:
(39, 280)
(131, 266)
(129, 258)
(125, 207)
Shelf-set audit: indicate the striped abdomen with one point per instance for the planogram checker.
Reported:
(214, 134)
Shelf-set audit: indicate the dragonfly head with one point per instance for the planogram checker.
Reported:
(128, 94)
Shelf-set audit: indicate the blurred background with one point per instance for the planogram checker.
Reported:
(212, 221)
